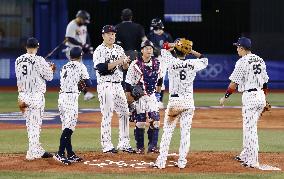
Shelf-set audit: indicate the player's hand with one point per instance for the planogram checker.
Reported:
(222, 100)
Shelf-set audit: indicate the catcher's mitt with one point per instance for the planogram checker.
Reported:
(82, 85)
(183, 45)
(267, 107)
(174, 112)
(22, 105)
(137, 92)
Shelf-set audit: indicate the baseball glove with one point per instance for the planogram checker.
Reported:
(267, 107)
(82, 85)
(53, 66)
(22, 105)
(174, 112)
(137, 92)
(183, 45)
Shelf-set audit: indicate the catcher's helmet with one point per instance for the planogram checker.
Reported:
(84, 15)
(156, 24)
(183, 45)
(147, 43)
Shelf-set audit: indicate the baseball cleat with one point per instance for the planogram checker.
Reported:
(74, 158)
(237, 158)
(61, 159)
(113, 150)
(140, 151)
(88, 96)
(47, 155)
(129, 150)
(154, 150)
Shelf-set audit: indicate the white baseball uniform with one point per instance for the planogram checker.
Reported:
(77, 32)
(250, 75)
(181, 75)
(112, 97)
(70, 74)
(32, 71)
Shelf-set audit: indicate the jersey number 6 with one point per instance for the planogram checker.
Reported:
(182, 75)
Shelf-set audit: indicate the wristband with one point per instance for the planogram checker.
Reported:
(229, 92)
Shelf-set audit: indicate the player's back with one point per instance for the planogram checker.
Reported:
(70, 74)
(251, 72)
(31, 72)
(182, 74)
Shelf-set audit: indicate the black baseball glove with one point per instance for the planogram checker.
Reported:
(82, 86)
(137, 92)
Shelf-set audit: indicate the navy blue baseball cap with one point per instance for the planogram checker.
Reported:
(32, 43)
(243, 42)
(108, 28)
(76, 52)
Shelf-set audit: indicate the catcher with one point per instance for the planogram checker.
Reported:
(74, 78)
(181, 73)
(251, 78)
(142, 81)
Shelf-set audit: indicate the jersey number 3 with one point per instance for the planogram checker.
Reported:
(257, 69)
(182, 75)
(25, 70)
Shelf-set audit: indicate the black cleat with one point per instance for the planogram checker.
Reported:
(129, 150)
(237, 158)
(47, 155)
(61, 159)
(140, 151)
(154, 150)
(246, 165)
(74, 158)
(113, 150)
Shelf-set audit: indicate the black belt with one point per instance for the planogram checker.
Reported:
(174, 95)
(113, 81)
(250, 90)
(69, 92)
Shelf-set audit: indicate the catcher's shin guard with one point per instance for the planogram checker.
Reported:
(139, 137)
(153, 135)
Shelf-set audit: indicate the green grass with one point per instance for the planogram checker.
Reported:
(9, 100)
(70, 175)
(88, 139)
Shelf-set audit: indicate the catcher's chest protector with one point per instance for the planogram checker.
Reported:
(150, 74)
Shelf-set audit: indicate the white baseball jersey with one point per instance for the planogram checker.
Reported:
(31, 72)
(181, 72)
(249, 73)
(181, 76)
(77, 32)
(103, 54)
(70, 74)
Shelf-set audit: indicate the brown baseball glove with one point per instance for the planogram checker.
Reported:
(174, 112)
(22, 105)
(82, 85)
(53, 66)
(267, 107)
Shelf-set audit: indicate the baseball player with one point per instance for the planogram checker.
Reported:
(109, 59)
(181, 107)
(77, 36)
(145, 71)
(32, 71)
(70, 75)
(158, 36)
(251, 78)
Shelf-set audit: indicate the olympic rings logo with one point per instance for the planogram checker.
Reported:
(211, 71)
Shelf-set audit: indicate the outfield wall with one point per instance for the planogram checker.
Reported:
(214, 76)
